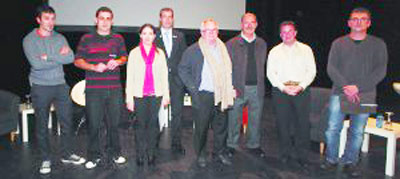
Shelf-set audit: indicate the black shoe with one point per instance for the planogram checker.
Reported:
(304, 165)
(257, 152)
(201, 161)
(230, 151)
(223, 159)
(328, 166)
(284, 159)
(352, 170)
(139, 161)
(178, 148)
(151, 161)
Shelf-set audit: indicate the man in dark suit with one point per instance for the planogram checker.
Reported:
(173, 43)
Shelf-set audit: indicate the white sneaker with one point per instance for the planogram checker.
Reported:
(74, 159)
(45, 168)
(119, 160)
(92, 164)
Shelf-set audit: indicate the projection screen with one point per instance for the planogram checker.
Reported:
(134, 13)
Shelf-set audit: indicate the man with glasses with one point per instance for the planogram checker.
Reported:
(357, 63)
(206, 71)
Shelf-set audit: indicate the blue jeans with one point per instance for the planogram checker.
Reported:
(354, 135)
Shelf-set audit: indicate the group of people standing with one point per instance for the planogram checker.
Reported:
(221, 79)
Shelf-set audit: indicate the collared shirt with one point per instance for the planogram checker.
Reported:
(247, 39)
(207, 82)
(167, 40)
(291, 63)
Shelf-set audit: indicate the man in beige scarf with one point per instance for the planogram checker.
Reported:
(206, 71)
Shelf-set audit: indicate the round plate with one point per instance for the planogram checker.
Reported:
(78, 93)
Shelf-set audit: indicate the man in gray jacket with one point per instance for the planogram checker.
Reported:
(47, 51)
(248, 53)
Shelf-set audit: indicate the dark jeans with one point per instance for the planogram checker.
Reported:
(103, 105)
(177, 92)
(147, 126)
(42, 98)
(292, 117)
(204, 113)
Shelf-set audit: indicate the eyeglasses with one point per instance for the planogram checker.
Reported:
(288, 32)
(359, 19)
(210, 30)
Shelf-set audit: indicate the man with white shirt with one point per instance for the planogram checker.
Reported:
(291, 69)
(174, 44)
(248, 53)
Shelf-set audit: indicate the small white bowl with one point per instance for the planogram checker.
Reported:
(396, 87)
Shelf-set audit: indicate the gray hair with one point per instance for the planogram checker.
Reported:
(203, 23)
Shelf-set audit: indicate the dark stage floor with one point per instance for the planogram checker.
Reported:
(22, 160)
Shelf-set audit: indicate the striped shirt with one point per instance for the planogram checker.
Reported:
(95, 49)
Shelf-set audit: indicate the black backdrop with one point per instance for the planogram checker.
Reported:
(319, 23)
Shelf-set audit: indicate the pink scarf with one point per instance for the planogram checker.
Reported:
(148, 87)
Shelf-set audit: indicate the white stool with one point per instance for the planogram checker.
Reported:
(25, 110)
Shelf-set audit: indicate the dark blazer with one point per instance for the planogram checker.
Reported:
(190, 68)
(238, 53)
(178, 47)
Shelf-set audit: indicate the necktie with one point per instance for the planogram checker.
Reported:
(167, 43)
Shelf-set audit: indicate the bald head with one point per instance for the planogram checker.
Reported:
(249, 15)
(249, 24)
